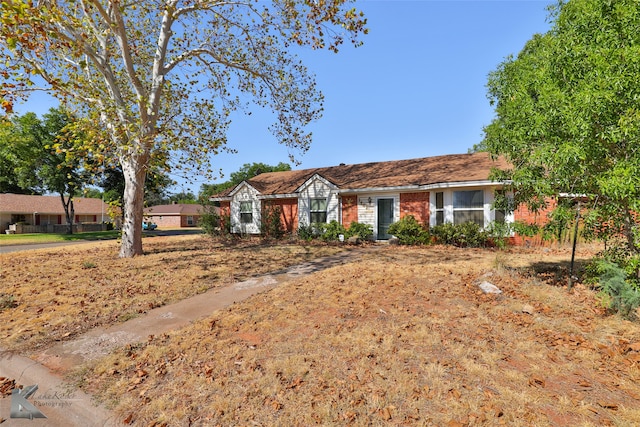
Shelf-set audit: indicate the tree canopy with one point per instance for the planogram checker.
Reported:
(247, 171)
(568, 113)
(161, 77)
(41, 156)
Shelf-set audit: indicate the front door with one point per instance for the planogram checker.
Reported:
(385, 218)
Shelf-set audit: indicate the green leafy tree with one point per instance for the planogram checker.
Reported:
(568, 112)
(186, 197)
(46, 158)
(247, 171)
(163, 76)
(10, 181)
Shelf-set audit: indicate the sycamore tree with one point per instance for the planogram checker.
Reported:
(163, 76)
(568, 114)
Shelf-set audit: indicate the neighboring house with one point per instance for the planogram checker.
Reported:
(174, 215)
(47, 212)
(445, 189)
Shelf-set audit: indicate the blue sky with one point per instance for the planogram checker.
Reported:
(416, 88)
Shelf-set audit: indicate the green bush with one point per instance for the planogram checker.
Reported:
(363, 231)
(468, 234)
(617, 293)
(305, 232)
(409, 231)
(214, 224)
(331, 232)
(270, 225)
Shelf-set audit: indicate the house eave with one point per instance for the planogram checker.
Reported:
(278, 196)
(379, 189)
(459, 184)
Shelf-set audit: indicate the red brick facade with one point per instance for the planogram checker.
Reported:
(225, 209)
(289, 215)
(349, 210)
(416, 204)
(522, 214)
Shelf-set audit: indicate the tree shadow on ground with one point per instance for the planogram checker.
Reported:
(556, 273)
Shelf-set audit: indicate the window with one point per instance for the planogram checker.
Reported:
(318, 210)
(502, 200)
(189, 219)
(439, 208)
(468, 206)
(246, 212)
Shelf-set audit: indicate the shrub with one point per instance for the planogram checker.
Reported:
(468, 234)
(616, 293)
(332, 231)
(305, 232)
(363, 231)
(214, 224)
(409, 231)
(270, 224)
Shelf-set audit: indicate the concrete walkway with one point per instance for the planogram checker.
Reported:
(66, 406)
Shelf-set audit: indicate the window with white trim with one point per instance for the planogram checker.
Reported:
(189, 219)
(468, 206)
(246, 212)
(439, 208)
(317, 210)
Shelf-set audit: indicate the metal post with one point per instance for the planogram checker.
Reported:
(573, 252)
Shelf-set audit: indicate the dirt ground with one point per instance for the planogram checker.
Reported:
(403, 336)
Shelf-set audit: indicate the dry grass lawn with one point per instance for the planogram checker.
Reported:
(61, 292)
(403, 336)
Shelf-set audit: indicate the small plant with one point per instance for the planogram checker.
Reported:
(271, 224)
(468, 234)
(332, 231)
(616, 293)
(305, 232)
(363, 231)
(88, 264)
(214, 224)
(409, 231)
(7, 301)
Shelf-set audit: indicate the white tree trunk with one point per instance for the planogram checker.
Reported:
(134, 176)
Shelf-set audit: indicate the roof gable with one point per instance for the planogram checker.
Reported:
(312, 179)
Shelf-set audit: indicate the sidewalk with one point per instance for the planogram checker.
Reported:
(65, 406)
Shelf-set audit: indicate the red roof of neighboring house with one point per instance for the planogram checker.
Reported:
(398, 173)
(28, 204)
(174, 209)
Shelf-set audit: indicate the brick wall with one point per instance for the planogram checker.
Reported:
(522, 214)
(289, 215)
(349, 210)
(416, 204)
(164, 221)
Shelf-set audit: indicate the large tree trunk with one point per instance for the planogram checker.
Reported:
(134, 175)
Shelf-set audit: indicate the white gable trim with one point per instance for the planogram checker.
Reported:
(313, 178)
(241, 186)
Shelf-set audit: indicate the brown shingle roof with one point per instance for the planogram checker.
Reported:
(28, 204)
(398, 173)
(174, 209)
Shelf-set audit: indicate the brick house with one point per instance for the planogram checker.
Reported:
(47, 211)
(444, 189)
(174, 215)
